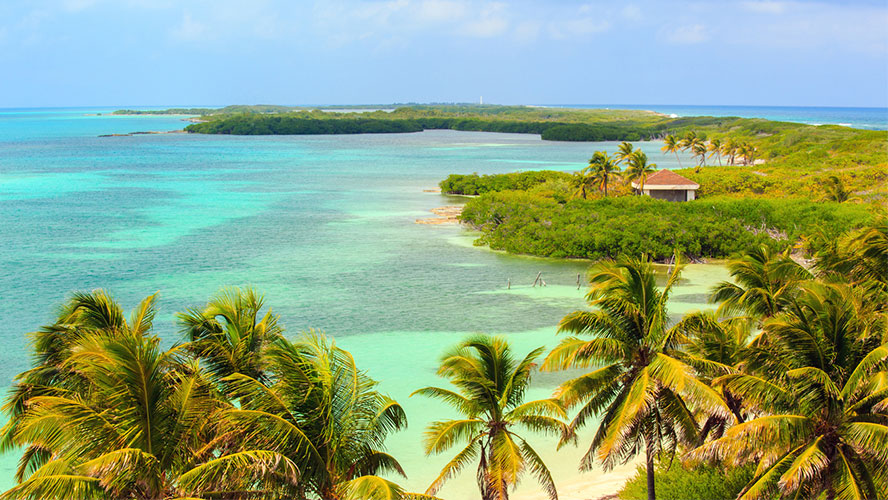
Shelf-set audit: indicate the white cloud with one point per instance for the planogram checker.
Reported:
(765, 7)
(491, 22)
(190, 30)
(527, 31)
(440, 11)
(631, 12)
(687, 35)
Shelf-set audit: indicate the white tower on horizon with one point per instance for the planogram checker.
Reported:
(481, 101)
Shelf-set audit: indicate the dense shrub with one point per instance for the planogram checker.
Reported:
(680, 483)
(473, 184)
(525, 223)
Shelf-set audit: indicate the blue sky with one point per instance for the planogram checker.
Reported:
(165, 52)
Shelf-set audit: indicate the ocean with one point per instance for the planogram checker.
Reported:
(863, 118)
(324, 226)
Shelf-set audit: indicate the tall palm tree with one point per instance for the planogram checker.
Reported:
(714, 347)
(83, 314)
(729, 149)
(145, 425)
(320, 411)
(747, 151)
(699, 150)
(624, 152)
(639, 169)
(582, 182)
(230, 332)
(688, 141)
(640, 389)
(715, 148)
(601, 168)
(859, 257)
(763, 284)
(821, 426)
(490, 385)
(671, 145)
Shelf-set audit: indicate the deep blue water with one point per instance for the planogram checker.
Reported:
(865, 118)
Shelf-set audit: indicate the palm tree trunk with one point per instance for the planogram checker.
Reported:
(677, 158)
(650, 471)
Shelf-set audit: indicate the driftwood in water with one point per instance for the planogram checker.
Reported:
(539, 274)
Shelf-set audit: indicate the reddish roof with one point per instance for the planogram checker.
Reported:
(669, 178)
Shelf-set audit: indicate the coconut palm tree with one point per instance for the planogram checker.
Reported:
(582, 182)
(699, 151)
(715, 148)
(490, 385)
(714, 347)
(639, 389)
(145, 426)
(688, 141)
(859, 257)
(624, 152)
(639, 169)
(747, 151)
(320, 411)
(763, 284)
(671, 145)
(229, 334)
(821, 426)
(83, 314)
(729, 149)
(601, 168)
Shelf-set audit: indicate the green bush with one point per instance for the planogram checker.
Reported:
(679, 483)
(529, 223)
(473, 184)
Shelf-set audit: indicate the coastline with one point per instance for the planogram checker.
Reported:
(593, 485)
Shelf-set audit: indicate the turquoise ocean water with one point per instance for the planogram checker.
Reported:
(324, 225)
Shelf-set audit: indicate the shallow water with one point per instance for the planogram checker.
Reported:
(323, 225)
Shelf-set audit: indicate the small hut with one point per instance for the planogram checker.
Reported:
(669, 186)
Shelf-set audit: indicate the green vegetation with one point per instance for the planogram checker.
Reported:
(474, 184)
(530, 223)
(781, 394)
(777, 204)
(689, 483)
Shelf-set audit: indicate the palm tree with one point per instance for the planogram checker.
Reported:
(729, 149)
(144, 427)
(581, 181)
(639, 168)
(624, 152)
(228, 334)
(671, 145)
(716, 347)
(601, 167)
(715, 148)
(835, 190)
(320, 411)
(859, 257)
(83, 314)
(490, 385)
(639, 386)
(747, 151)
(821, 426)
(699, 150)
(688, 141)
(763, 284)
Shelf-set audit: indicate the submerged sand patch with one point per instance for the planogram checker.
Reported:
(445, 215)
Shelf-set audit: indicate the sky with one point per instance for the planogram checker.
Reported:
(218, 52)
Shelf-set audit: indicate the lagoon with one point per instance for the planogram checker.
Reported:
(323, 225)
